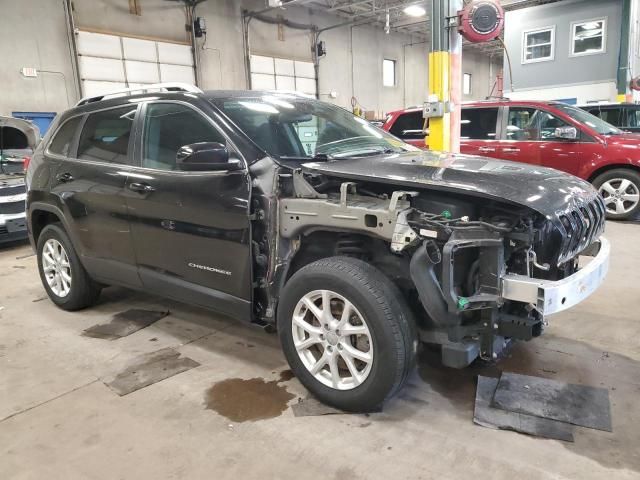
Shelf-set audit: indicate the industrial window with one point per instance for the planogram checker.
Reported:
(538, 45)
(61, 143)
(105, 136)
(466, 84)
(389, 73)
(478, 123)
(588, 37)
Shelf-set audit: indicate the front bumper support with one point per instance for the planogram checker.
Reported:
(548, 296)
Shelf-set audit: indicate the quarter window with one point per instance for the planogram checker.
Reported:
(105, 136)
(170, 126)
(478, 123)
(63, 139)
(538, 45)
(588, 37)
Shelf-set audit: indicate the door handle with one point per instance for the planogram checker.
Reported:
(64, 177)
(486, 149)
(510, 150)
(141, 187)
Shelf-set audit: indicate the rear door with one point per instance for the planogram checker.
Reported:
(191, 229)
(89, 185)
(409, 127)
(479, 131)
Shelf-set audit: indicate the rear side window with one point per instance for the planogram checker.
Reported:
(63, 139)
(408, 126)
(479, 123)
(105, 136)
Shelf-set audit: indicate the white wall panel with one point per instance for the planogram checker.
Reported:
(176, 73)
(108, 69)
(261, 81)
(174, 54)
(141, 72)
(306, 85)
(285, 83)
(93, 87)
(136, 49)
(260, 64)
(284, 67)
(99, 45)
(305, 69)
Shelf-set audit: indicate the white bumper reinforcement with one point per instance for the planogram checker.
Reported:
(549, 296)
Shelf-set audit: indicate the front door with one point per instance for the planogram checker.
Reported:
(191, 230)
(89, 183)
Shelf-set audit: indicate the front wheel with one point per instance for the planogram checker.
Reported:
(620, 190)
(347, 333)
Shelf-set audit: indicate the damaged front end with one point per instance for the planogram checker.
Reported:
(477, 274)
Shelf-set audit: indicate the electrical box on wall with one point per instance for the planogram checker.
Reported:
(199, 27)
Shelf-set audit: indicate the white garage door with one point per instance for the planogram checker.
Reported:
(113, 62)
(270, 73)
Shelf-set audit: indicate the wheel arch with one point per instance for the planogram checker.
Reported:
(42, 214)
(613, 166)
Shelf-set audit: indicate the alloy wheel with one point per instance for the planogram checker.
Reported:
(620, 195)
(332, 339)
(56, 267)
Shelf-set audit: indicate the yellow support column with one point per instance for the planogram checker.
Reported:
(439, 137)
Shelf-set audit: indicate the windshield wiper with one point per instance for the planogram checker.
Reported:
(318, 157)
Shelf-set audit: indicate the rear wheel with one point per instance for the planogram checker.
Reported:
(347, 333)
(620, 189)
(64, 278)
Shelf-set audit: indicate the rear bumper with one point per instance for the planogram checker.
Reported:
(13, 227)
(549, 297)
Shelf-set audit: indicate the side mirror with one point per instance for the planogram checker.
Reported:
(205, 156)
(566, 133)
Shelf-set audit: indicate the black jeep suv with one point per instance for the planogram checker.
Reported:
(285, 211)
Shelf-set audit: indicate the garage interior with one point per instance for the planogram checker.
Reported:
(72, 404)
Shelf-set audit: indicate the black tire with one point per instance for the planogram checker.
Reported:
(83, 291)
(386, 314)
(622, 174)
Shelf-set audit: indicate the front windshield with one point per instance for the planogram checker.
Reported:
(293, 127)
(592, 121)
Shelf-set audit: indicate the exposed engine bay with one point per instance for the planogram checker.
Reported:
(478, 273)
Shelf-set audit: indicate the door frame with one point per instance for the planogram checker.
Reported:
(166, 285)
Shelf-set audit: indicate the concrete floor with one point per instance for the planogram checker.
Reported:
(59, 420)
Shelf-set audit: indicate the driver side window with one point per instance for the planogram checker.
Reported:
(169, 126)
(548, 124)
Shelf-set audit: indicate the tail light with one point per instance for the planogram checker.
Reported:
(25, 163)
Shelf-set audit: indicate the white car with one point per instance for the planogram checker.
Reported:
(18, 140)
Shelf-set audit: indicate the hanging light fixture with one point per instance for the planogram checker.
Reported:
(387, 23)
(415, 11)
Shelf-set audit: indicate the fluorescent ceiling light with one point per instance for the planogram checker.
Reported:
(415, 11)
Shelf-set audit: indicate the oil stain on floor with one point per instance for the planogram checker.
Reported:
(243, 400)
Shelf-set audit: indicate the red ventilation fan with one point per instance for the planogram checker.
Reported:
(635, 83)
(481, 20)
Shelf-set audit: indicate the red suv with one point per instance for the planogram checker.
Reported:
(551, 134)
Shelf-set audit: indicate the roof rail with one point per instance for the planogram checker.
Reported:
(154, 87)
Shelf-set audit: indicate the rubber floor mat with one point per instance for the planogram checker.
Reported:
(496, 418)
(150, 368)
(124, 323)
(566, 402)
